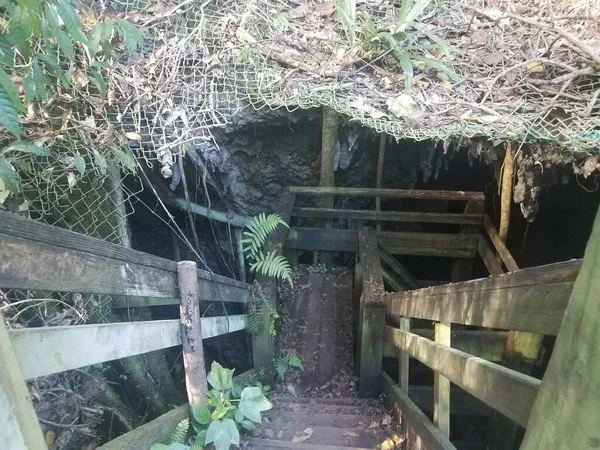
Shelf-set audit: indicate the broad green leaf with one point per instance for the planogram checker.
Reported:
(64, 43)
(11, 90)
(108, 29)
(6, 52)
(52, 66)
(233, 431)
(253, 402)
(79, 163)
(407, 68)
(99, 82)
(34, 148)
(40, 82)
(220, 411)
(238, 416)
(219, 377)
(219, 435)
(236, 391)
(417, 10)
(177, 446)
(9, 175)
(439, 66)
(133, 37)
(94, 40)
(71, 20)
(346, 10)
(201, 414)
(159, 447)
(18, 33)
(100, 162)
(29, 86)
(248, 425)
(442, 45)
(9, 117)
(402, 14)
(126, 159)
(200, 439)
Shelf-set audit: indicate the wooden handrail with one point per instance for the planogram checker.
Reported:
(499, 245)
(505, 390)
(389, 193)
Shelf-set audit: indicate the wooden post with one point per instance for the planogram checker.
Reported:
(380, 160)
(191, 332)
(19, 427)
(403, 363)
(238, 234)
(441, 384)
(463, 267)
(565, 411)
(262, 342)
(372, 315)
(508, 172)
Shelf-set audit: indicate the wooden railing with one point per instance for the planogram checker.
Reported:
(35, 256)
(529, 300)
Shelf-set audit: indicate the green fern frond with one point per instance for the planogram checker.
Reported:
(294, 360)
(255, 322)
(273, 265)
(258, 230)
(180, 434)
(281, 367)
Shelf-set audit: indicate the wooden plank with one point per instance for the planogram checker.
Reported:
(262, 342)
(499, 245)
(565, 413)
(485, 344)
(404, 274)
(510, 393)
(389, 216)
(48, 350)
(462, 269)
(399, 243)
(418, 429)
(212, 286)
(488, 257)
(19, 427)
(389, 193)
(461, 402)
(392, 280)
(379, 177)
(372, 313)
(191, 333)
(404, 359)
(526, 300)
(441, 384)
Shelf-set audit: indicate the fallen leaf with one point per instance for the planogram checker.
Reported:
(590, 165)
(404, 106)
(49, 438)
(388, 444)
(492, 58)
(350, 434)
(280, 434)
(133, 136)
(387, 419)
(302, 436)
(534, 67)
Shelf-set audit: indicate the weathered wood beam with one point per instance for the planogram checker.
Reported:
(461, 402)
(418, 429)
(441, 384)
(392, 280)
(526, 300)
(499, 245)
(48, 350)
(388, 216)
(405, 275)
(399, 243)
(388, 193)
(565, 413)
(372, 314)
(507, 391)
(379, 177)
(487, 256)
(485, 344)
(19, 426)
(82, 260)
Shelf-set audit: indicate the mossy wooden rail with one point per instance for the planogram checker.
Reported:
(40, 257)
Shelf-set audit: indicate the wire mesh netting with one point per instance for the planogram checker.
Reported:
(477, 70)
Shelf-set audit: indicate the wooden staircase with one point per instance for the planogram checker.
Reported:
(325, 424)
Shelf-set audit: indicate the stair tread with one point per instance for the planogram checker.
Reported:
(258, 443)
(326, 420)
(354, 437)
(348, 401)
(320, 408)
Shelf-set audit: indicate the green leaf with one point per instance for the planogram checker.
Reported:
(201, 414)
(346, 10)
(159, 447)
(9, 117)
(102, 65)
(220, 411)
(133, 37)
(238, 416)
(79, 163)
(125, 158)
(40, 81)
(407, 68)
(99, 82)
(236, 391)
(52, 66)
(71, 20)
(94, 40)
(220, 435)
(200, 439)
(233, 431)
(108, 29)
(439, 66)
(178, 446)
(9, 175)
(219, 377)
(36, 148)
(18, 32)
(29, 86)
(253, 402)
(248, 425)
(11, 90)
(100, 162)
(294, 360)
(402, 14)
(6, 52)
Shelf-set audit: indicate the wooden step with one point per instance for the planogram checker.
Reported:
(256, 443)
(318, 408)
(325, 420)
(352, 437)
(348, 401)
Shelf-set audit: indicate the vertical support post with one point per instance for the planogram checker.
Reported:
(266, 288)
(372, 315)
(403, 368)
(379, 179)
(238, 235)
(565, 411)
(19, 426)
(191, 332)
(441, 385)
(463, 267)
(508, 173)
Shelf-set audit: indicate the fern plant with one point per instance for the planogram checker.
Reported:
(269, 264)
(289, 360)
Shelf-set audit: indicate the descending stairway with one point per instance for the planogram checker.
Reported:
(332, 424)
